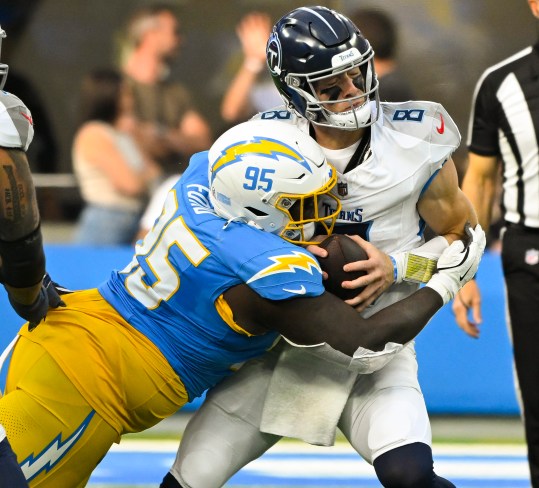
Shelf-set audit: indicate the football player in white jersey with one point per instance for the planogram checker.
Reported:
(395, 176)
(22, 260)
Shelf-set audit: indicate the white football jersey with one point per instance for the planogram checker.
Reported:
(16, 124)
(409, 143)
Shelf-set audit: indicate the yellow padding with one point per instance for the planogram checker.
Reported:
(419, 269)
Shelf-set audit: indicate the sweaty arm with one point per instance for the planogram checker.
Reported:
(21, 249)
(327, 319)
(444, 207)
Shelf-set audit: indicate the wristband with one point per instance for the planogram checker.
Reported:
(395, 271)
(411, 267)
(23, 260)
(419, 269)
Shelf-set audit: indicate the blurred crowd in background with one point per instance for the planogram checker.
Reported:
(123, 92)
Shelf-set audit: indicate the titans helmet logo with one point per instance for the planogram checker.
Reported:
(274, 54)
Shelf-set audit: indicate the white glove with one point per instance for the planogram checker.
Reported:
(458, 264)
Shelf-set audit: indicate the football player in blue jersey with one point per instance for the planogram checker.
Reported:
(22, 260)
(215, 282)
(394, 175)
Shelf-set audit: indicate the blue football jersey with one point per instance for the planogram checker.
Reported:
(172, 289)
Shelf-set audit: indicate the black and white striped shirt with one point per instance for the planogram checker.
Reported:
(505, 123)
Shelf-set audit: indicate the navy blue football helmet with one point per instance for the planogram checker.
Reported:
(312, 43)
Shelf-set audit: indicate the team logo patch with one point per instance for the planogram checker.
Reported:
(288, 263)
(274, 54)
(414, 115)
(342, 189)
(532, 257)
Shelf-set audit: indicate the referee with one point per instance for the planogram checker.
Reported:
(504, 130)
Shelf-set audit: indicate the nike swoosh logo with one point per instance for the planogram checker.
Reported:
(299, 291)
(28, 118)
(462, 277)
(441, 128)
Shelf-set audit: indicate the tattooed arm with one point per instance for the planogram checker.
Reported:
(20, 235)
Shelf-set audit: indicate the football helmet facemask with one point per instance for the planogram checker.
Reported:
(312, 44)
(3, 67)
(273, 176)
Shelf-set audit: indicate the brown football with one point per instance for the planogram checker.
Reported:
(341, 250)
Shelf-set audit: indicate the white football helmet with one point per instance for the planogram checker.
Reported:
(271, 175)
(3, 67)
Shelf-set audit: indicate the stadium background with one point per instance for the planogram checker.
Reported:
(445, 45)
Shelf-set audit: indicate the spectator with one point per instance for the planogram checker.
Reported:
(251, 89)
(172, 128)
(381, 32)
(504, 131)
(114, 175)
(155, 205)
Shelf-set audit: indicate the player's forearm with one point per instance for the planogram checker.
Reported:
(403, 321)
(24, 296)
(19, 214)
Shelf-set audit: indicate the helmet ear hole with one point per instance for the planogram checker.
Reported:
(256, 211)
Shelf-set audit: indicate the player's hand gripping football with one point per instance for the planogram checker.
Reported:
(376, 274)
(378, 277)
(458, 263)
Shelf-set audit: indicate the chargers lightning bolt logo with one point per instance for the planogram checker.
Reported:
(54, 452)
(259, 146)
(288, 263)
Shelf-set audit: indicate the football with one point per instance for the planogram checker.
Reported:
(341, 250)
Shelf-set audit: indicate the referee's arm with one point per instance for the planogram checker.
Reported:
(479, 185)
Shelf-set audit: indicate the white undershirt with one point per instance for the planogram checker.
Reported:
(340, 157)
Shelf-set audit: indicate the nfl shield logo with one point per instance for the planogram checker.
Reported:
(342, 189)
(532, 257)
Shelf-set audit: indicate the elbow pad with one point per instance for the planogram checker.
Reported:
(23, 260)
(419, 264)
(364, 360)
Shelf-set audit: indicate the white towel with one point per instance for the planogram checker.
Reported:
(306, 396)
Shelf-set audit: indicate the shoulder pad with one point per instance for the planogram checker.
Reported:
(279, 113)
(16, 124)
(282, 114)
(428, 121)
